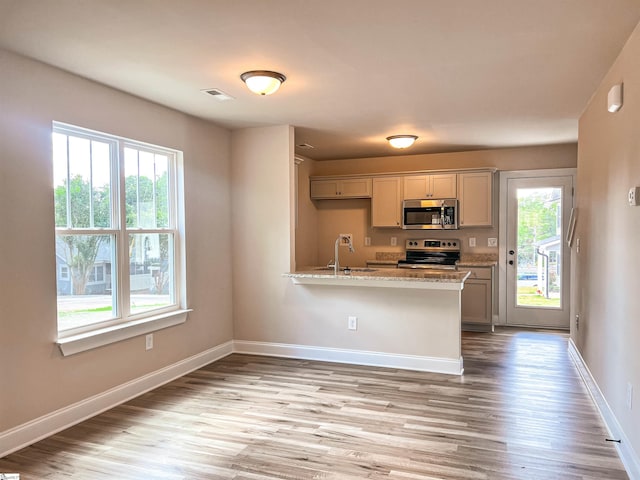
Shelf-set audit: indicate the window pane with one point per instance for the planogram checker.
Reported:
(146, 197)
(60, 178)
(539, 267)
(131, 186)
(101, 184)
(162, 190)
(79, 182)
(151, 270)
(86, 292)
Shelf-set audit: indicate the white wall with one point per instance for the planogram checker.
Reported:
(607, 280)
(35, 378)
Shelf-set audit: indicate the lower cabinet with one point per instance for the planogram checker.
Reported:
(477, 300)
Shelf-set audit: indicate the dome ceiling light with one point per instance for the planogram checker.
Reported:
(401, 141)
(263, 82)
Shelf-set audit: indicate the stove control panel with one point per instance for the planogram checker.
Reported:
(432, 244)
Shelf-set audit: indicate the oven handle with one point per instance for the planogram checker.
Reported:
(442, 215)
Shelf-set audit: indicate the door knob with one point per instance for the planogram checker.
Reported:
(511, 252)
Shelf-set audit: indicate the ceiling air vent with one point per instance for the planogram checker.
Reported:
(218, 94)
(304, 146)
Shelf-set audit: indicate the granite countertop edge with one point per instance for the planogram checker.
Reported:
(390, 275)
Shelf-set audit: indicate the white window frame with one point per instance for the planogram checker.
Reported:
(127, 325)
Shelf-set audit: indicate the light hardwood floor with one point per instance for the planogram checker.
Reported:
(519, 411)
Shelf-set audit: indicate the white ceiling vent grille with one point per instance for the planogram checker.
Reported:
(218, 94)
(304, 146)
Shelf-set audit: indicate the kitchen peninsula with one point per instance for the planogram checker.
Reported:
(404, 318)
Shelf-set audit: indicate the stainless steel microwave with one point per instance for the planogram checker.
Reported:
(430, 214)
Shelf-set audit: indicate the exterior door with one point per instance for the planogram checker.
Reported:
(537, 255)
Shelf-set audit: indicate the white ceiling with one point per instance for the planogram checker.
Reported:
(460, 74)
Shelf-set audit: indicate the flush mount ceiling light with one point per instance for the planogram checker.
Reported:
(263, 82)
(401, 141)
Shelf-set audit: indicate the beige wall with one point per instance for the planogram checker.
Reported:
(524, 158)
(608, 265)
(354, 216)
(262, 193)
(35, 378)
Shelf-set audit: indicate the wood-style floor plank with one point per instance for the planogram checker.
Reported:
(520, 411)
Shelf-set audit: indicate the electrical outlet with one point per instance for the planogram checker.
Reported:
(353, 323)
(472, 241)
(149, 342)
(577, 245)
(367, 241)
(629, 395)
(577, 322)
(394, 241)
(634, 192)
(492, 242)
(346, 239)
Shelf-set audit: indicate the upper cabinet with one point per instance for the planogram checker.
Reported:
(386, 202)
(341, 188)
(475, 194)
(430, 186)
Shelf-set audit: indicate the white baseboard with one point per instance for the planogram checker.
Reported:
(357, 357)
(628, 456)
(35, 430)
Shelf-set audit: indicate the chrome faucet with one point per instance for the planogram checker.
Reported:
(339, 241)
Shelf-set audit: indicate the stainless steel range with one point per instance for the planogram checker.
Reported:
(431, 253)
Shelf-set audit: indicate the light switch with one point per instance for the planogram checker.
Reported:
(492, 242)
(634, 193)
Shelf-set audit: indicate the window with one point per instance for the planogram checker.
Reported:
(64, 272)
(116, 223)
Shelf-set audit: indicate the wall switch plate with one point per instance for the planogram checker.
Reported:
(149, 342)
(634, 194)
(367, 241)
(492, 242)
(629, 396)
(353, 323)
(472, 241)
(394, 241)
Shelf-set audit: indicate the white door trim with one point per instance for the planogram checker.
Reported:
(505, 176)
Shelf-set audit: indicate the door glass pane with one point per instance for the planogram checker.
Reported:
(151, 271)
(85, 282)
(539, 259)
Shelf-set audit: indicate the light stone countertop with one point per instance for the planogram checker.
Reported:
(384, 277)
(478, 260)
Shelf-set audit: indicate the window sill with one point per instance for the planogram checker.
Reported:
(116, 333)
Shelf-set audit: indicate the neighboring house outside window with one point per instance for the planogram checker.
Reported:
(116, 222)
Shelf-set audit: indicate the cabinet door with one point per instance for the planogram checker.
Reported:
(416, 186)
(386, 202)
(444, 185)
(341, 188)
(355, 188)
(475, 196)
(476, 302)
(324, 188)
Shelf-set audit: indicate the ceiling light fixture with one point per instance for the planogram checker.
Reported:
(263, 82)
(401, 141)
